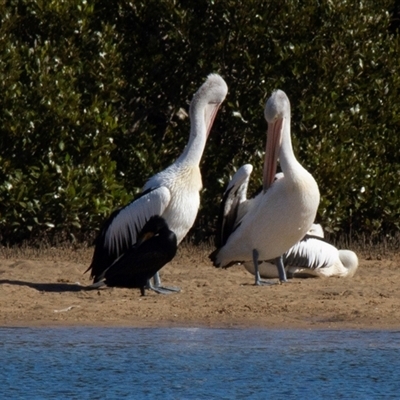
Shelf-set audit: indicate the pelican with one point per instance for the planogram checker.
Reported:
(235, 203)
(285, 209)
(316, 230)
(156, 246)
(312, 256)
(172, 194)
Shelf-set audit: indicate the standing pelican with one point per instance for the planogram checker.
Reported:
(235, 203)
(285, 209)
(172, 193)
(156, 246)
(312, 256)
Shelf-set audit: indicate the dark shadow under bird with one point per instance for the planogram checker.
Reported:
(155, 247)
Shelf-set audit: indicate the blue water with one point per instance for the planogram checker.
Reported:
(197, 363)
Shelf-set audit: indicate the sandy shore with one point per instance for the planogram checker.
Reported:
(41, 288)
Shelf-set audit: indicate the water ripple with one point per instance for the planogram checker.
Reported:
(196, 363)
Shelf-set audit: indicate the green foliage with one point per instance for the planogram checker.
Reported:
(92, 94)
(59, 80)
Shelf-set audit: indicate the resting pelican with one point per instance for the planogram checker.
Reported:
(172, 193)
(312, 256)
(285, 209)
(156, 245)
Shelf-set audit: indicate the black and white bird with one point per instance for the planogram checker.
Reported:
(277, 218)
(312, 256)
(156, 246)
(172, 194)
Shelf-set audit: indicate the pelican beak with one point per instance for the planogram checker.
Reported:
(272, 150)
(210, 113)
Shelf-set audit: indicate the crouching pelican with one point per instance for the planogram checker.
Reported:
(156, 246)
(312, 256)
(285, 209)
(172, 194)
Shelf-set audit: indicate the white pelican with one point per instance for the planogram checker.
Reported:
(316, 230)
(172, 193)
(312, 256)
(234, 204)
(285, 209)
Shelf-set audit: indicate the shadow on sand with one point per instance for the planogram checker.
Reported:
(47, 287)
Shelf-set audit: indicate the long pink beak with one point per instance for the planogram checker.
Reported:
(272, 150)
(210, 113)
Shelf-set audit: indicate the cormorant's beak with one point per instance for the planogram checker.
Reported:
(144, 237)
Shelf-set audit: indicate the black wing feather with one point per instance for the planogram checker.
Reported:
(141, 261)
(103, 256)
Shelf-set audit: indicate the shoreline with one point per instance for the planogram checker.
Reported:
(176, 325)
(41, 290)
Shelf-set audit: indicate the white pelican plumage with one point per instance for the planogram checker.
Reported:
(234, 204)
(285, 209)
(312, 256)
(172, 194)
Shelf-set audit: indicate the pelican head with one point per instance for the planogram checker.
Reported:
(277, 106)
(210, 96)
(277, 114)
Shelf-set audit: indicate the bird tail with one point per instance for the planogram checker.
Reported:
(213, 257)
(95, 285)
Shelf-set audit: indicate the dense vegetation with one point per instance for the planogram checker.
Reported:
(93, 95)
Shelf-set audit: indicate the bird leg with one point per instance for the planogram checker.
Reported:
(161, 289)
(281, 269)
(258, 281)
(150, 286)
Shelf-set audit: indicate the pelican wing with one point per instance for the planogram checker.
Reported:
(311, 252)
(121, 230)
(235, 195)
